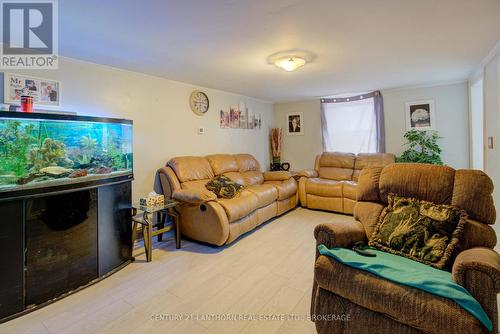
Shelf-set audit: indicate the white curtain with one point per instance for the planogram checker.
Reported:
(352, 124)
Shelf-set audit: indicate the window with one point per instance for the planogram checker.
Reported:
(352, 124)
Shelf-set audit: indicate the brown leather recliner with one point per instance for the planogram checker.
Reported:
(331, 185)
(376, 305)
(219, 221)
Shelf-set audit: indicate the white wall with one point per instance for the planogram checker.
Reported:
(164, 125)
(491, 87)
(451, 104)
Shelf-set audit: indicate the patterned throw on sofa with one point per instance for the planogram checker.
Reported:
(224, 187)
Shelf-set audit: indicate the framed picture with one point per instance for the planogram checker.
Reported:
(420, 115)
(45, 92)
(224, 119)
(295, 124)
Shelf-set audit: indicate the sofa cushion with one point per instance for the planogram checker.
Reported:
(364, 160)
(222, 163)
(336, 166)
(236, 177)
(224, 187)
(474, 184)
(240, 206)
(324, 187)
(252, 177)
(408, 305)
(246, 162)
(349, 189)
(423, 181)
(266, 194)
(191, 168)
(419, 230)
(286, 189)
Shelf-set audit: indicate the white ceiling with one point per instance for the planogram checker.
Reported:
(359, 44)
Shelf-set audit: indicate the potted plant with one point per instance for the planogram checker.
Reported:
(422, 148)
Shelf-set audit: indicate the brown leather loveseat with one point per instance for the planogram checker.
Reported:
(331, 185)
(376, 305)
(219, 221)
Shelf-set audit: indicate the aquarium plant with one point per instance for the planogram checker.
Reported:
(15, 141)
(422, 146)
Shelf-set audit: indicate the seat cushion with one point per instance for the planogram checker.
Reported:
(324, 187)
(286, 189)
(349, 189)
(410, 306)
(266, 193)
(252, 177)
(240, 206)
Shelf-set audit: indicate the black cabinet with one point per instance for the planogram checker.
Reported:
(114, 236)
(11, 258)
(56, 243)
(61, 247)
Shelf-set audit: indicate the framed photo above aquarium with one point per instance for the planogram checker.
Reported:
(45, 92)
(420, 115)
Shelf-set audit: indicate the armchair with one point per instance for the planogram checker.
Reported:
(380, 306)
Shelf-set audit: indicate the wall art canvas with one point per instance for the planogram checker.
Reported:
(224, 119)
(234, 115)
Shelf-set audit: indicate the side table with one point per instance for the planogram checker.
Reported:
(148, 225)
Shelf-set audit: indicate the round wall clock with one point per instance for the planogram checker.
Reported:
(198, 102)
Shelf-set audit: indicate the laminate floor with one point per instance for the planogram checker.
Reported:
(199, 289)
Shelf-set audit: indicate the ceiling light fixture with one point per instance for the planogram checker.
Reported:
(290, 63)
(290, 60)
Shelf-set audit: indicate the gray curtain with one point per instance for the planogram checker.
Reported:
(379, 117)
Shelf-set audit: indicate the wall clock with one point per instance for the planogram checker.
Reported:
(198, 102)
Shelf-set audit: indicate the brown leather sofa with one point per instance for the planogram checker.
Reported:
(331, 185)
(218, 221)
(376, 305)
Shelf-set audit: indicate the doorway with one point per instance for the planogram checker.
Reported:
(477, 125)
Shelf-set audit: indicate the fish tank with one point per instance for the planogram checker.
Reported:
(49, 150)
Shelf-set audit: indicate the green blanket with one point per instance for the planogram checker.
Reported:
(404, 271)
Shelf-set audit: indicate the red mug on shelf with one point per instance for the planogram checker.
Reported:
(26, 103)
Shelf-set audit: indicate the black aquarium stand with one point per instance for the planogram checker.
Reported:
(56, 242)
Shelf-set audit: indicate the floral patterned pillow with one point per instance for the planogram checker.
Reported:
(224, 187)
(419, 230)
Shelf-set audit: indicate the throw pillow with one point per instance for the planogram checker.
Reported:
(224, 187)
(419, 230)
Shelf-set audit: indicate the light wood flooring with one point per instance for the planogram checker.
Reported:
(269, 271)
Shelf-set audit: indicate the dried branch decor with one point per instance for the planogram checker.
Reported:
(275, 137)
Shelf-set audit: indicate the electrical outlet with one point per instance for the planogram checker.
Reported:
(490, 142)
(201, 130)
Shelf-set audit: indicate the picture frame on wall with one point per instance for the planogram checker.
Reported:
(420, 115)
(45, 92)
(295, 124)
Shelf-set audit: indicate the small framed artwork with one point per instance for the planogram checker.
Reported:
(420, 115)
(295, 124)
(45, 92)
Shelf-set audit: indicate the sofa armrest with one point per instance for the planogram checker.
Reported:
(308, 173)
(477, 262)
(339, 234)
(277, 176)
(191, 196)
